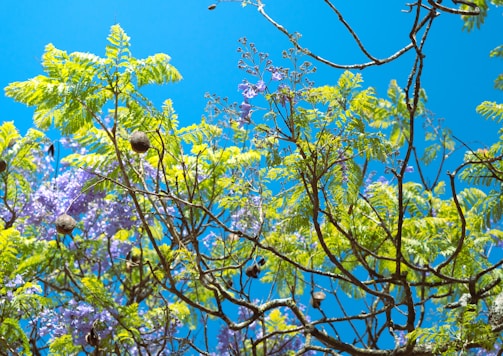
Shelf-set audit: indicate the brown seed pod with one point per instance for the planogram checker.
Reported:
(132, 260)
(3, 165)
(496, 311)
(228, 283)
(317, 298)
(139, 142)
(65, 224)
(233, 237)
(252, 271)
(212, 7)
(92, 337)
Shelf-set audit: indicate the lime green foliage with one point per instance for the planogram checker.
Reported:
(78, 85)
(21, 156)
(12, 337)
(63, 346)
(19, 289)
(450, 340)
(393, 114)
(493, 110)
(482, 6)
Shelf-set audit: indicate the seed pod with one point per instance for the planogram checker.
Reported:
(132, 260)
(233, 237)
(496, 311)
(51, 150)
(65, 224)
(139, 142)
(252, 271)
(93, 338)
(3, 165)
(317, 298)
(228, 283)
(212, 7)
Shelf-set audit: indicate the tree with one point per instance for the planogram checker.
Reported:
(290, 222)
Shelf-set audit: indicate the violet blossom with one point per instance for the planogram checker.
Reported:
(245, 110)
(277, 76)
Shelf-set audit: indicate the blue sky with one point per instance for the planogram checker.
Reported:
(459, 73)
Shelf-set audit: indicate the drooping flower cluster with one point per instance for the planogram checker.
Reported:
(77, 318)
(247, 219)
(250, 91)
(231, 342)
(98, 213)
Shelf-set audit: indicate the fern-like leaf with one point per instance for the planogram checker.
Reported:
(491, 111)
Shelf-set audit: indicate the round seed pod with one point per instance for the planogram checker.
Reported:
(317, 298)
(496, 311)
(139, 142)
(252, 271)
(3, 165)
(65, 224)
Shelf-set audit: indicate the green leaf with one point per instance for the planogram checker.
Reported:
(13, 338)
(118, 48)
(472, 21)
(491, 111)
(94, 289)
(155, 69)
(63, 346)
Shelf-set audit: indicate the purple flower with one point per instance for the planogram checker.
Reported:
(226, 339)
(368, 180)
(382, 180)
(261, 86)
(409, 169)
(245, 110)
(250, 93)
(283, 94)
(17, 281)
(276, 75)
(246, 218)
(401, 337)
(243, 86)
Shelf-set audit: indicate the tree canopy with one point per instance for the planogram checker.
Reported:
(306, 219)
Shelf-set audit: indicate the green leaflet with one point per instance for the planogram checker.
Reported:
(78, 86)
(12, 338)
(491, 111)
(94, 289)
(63, 346)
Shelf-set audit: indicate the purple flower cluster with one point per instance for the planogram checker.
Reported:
(230, 340)
(247, 219)
(369, 181)
(401, 338)
(76, 319)
(13, 287)
(249, 91)
(484, 352)
(97, 213)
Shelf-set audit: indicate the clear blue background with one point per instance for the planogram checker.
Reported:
(458, 75)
